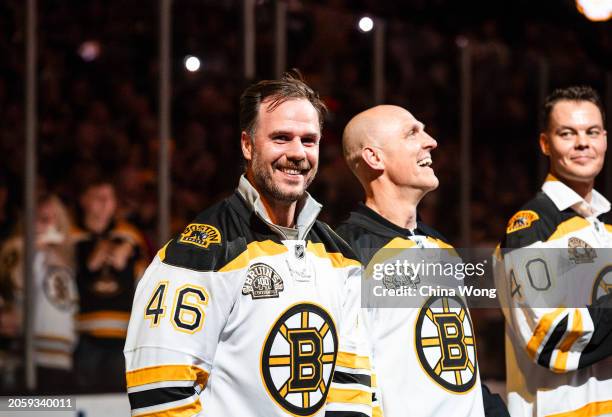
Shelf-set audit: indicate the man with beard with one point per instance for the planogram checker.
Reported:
(555, 272)
(254, 306)
(424, 354)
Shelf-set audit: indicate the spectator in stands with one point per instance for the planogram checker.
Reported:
(110, 256)
(55, 298)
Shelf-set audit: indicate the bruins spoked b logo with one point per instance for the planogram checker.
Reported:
(298, 358)
(603, 283)
(445, 343)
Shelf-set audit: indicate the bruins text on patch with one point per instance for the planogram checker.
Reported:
(579, 251)
(262, 281)
(521, 220)
(298, 359)
(445, 343)
(202, 235)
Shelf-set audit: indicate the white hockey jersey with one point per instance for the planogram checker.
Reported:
(554, 262)
(424, 358)
(232, 319)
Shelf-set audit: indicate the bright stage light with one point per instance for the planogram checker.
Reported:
(595, 10)
(192, 63)
(366, 24)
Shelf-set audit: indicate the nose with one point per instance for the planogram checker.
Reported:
(582, 141)
(295, 149)
(430, 143)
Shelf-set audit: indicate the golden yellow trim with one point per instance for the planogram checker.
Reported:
(324, 329)
(609, 227)
(337, 259)
(199, 305)
(161, 373)
(327, 358)
(377, 412)
(470, 365)
(304, 319)
(280, 360)
(572, 225)
(186, 410)
(469, 341)
(284, 389)
(541, 331)
(374, 381)
(458, 380)
(161, 305)
(429, 314)
(305, 399)
(430, 341)
(254, 250)
(53, 338)
(54, 352)
(353, 361)
(550, 177)
(568, 341)
(162, 252)
(103, 315)
(352, 396)
(400, 243)
(589, 410)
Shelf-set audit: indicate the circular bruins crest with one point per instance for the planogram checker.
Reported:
(298, 358)
(57, 287)
(444, 338)
(603, 283)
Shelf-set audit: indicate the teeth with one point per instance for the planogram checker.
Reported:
(425, 162)
(290, 171)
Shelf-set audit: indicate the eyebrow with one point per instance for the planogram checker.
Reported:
(595, 126)
(289, 133)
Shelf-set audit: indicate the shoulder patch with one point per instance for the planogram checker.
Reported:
(521, 220)
(202, 235)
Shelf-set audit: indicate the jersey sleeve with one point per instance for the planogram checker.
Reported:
(351, 393)
(177, 317)
(540, 306)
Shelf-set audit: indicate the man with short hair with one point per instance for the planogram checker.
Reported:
(554, 272)
(110, 256)
(420, 370)
(254, 306)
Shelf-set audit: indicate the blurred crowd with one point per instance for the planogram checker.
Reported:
(98, 146)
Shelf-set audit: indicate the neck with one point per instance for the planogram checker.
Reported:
(397, 205)
(280, 214)
(95, 225)
(583, 189)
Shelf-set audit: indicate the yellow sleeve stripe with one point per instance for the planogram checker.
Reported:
(572, 225)
(351, 360)
(161, 373)
(337, 259)
(374, 381)
(377, 412)
(187, 410)
(609, 227)
(568, 341)
(254, 250)
(354, 396)
(541, 331)
(589, 410)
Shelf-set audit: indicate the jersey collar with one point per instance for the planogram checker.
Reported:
(564, 197)
(307, 210)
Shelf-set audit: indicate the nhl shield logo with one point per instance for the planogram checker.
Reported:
(262, 281)
(579, 251)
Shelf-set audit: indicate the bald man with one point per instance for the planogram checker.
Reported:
(390, 153)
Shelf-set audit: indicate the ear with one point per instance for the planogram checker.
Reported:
(372, 157)
(544, 144)
(246, 143)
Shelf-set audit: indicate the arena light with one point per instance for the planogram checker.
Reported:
(365, 24)
(192, 63)
(595, 10)
(89, 50)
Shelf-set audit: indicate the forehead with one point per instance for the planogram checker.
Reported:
(579, 113)
(289, 114)
(100, 190)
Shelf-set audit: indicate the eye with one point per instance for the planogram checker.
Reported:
(566, 134)
(281, 138)
(594, 132)
(309, 140)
